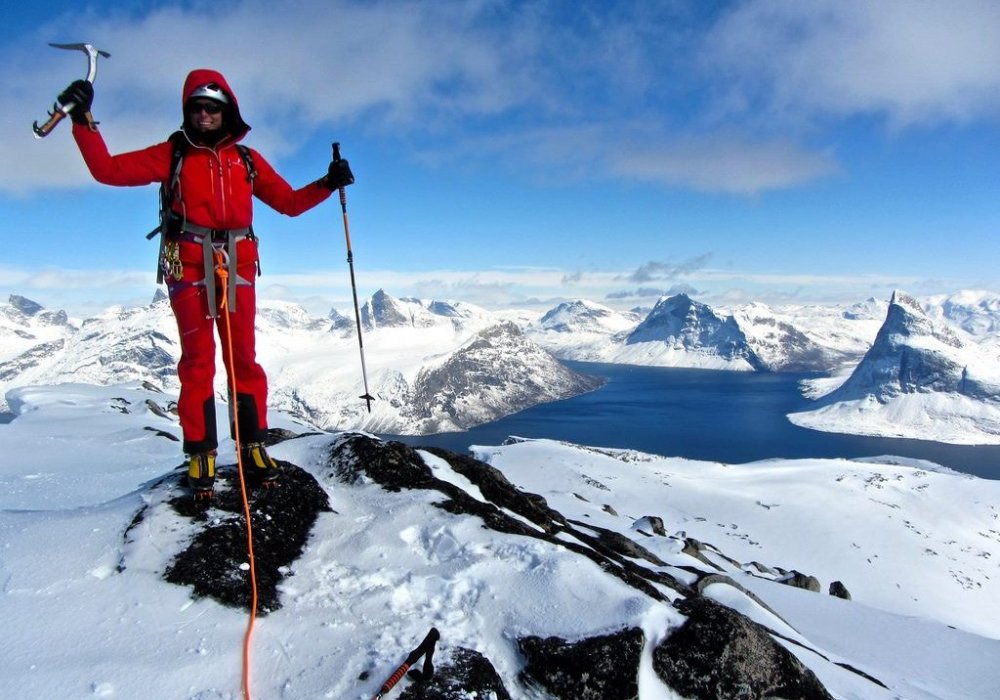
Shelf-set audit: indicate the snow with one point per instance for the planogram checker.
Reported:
(950, 418)
(86, 613)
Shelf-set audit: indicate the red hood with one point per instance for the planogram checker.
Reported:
(203, 76)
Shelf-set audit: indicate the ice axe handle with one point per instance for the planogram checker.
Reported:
(55, 116)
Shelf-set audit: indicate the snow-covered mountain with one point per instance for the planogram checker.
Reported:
(582, 330)
(582, 316)
(778, 345)
(24, 324)
(680, 331)
(483, 369)
(975, 312)
(385, 311)
(480, 382)
(917, 373)
(552, 571)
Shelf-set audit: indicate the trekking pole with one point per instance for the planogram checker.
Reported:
(426, 647)
(354, 287)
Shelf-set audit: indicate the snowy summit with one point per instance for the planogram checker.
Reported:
(550, 570)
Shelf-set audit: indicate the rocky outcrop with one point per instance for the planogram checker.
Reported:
(719, 653)
(213, 563)
(595, 668)
(713, 652)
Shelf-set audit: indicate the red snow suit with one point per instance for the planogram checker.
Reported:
(213, 192)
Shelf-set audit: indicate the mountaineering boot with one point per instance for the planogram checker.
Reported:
(201, 474)
(258, 466)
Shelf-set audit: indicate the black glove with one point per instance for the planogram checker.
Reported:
(339, 174)
(81, 94)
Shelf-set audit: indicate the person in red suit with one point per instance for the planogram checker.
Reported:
(208, 224)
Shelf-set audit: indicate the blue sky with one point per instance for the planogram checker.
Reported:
(519, 153)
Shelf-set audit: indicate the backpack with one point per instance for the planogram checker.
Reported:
(179, 143)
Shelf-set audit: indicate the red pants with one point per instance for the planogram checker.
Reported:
(196, 369)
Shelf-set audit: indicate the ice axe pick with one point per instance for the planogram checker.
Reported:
(60, 111)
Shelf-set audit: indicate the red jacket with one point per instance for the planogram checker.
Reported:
(213, 190)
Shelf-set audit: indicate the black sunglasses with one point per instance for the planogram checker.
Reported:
(207, 106)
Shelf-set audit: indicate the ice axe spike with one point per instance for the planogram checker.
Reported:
(60, 111)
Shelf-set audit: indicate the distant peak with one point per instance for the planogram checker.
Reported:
(24, 305)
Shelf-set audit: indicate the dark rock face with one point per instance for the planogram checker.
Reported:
(839, 590)
(211, 564)
(797, 579)
(907, 358)
(467, 674)
(719, 653)
(596, 668)
(24, 305)
(29, 358)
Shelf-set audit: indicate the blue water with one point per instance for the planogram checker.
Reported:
(731, 417)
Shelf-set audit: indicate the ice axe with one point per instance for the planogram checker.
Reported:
(60, 111)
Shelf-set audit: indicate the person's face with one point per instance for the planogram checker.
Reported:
(205, 115)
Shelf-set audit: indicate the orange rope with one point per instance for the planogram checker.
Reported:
(223, 274)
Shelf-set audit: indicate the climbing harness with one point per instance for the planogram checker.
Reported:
(174, 228)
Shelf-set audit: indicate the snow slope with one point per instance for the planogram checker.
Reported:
(86, 613)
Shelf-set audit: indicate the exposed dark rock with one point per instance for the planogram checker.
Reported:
(839, 590)
(694, 548)
(162, 433)
(597, 668)
(495, 487)
(467, 674)
(719, 653)
(622, 544)
(650, 523)
(396, 466)
(24, 305)
(797, 579)
(214, 562)
(31, 357)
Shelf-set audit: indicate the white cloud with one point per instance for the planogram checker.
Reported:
(912, 62)
(724, 163)
(293, 67)
(666, 93)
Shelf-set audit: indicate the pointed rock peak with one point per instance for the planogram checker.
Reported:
(906, 301)
(159, 296)
(24, 305)
(383, 310)
(907, 317)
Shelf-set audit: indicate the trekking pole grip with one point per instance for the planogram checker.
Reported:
(343, 194)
